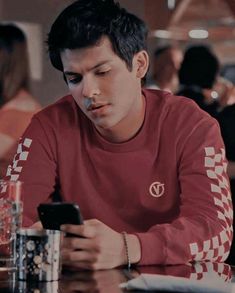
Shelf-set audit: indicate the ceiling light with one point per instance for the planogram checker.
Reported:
(171, 4)
(198, 34)
(164, 34)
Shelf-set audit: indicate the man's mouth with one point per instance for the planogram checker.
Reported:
(93, 107)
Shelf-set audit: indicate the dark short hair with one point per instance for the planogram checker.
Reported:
(83, 23)
(14, 62)
(199, 67)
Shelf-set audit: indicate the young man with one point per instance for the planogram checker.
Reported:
(134, 160)
(166, 64)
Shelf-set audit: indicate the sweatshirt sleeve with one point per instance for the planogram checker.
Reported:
(203, 229)
(35, 165)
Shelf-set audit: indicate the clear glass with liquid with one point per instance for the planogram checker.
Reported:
(10, 221)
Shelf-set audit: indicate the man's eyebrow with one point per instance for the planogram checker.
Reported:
(92, 68)
(70, 73)
(100, 64)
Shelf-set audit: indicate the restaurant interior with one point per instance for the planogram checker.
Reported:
(177, 23)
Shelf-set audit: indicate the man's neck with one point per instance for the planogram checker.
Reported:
(125, 130)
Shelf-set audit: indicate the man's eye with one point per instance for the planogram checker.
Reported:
(103, 72)
(74, 80)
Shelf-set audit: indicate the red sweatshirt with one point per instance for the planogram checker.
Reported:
(167, 185)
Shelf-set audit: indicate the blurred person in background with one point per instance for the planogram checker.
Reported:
(200, 81)
(17, 105)
(166, 63)
(197, 75)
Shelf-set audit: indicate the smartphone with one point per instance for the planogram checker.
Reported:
(53, 215)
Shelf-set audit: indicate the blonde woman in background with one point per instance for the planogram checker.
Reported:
(17, 106)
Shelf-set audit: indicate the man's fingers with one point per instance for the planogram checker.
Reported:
(87, 231)
(76, 243)
(81, 265)
(71, 256)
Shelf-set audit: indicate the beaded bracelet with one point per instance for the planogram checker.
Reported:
(124, 234)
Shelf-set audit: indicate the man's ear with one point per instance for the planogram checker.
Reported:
(141, 63)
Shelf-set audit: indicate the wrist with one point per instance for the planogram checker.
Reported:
(135, 248)
(132, 249)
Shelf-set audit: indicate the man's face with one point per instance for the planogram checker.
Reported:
(102, 86)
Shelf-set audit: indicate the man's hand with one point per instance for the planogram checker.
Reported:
(99, 248)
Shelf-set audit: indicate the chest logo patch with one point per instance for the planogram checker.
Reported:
(157, 189)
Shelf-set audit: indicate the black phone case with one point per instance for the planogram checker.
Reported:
(53, 215)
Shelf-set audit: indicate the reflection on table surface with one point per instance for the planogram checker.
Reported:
(108, 281)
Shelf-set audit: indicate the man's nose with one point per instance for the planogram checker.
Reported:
(90, 88)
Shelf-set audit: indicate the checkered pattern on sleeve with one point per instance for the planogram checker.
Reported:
(211, 271)
(14, 170)
(217, 248)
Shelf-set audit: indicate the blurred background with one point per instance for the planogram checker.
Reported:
(177, 22)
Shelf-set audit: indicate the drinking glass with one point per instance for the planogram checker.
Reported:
(38, 255)
(10, 221)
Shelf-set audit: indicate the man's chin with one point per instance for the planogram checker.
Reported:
(103, 125)
(105, 128)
